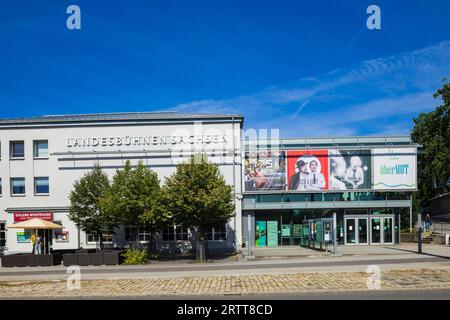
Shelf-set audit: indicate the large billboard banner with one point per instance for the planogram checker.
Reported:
(350, 169)
(265, 171)
(331, 169)
(307, 170)
(394, 168)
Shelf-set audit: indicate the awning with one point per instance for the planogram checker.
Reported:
(35, 224)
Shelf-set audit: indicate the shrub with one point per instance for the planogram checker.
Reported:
(135, 256)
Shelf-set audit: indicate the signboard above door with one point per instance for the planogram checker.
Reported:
(24, 216)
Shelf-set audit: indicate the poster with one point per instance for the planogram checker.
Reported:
(297, 230)
(350, 169)
(261, 233)
(394, 168)
(265, 170)
(286, 230)
(23, 237)
(272, 233)
(61, 236)
(307, 170)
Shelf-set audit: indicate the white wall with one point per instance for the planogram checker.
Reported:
(68, 163)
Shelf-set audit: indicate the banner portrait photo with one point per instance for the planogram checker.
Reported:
(307, 170)
(350, 169)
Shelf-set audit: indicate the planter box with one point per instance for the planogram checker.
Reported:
(96, 259)
(111, 258)
(28, 260)
(70, 259)
(31, 260)
(84, 259)
(45, 260)
(11, 261)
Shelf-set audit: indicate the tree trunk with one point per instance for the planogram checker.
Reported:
(138, 244)
(201, 252)
(152, 242)
(100, 241)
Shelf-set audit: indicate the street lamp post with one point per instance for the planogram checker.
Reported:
(419, 240)
(334, 233)
(249, 233)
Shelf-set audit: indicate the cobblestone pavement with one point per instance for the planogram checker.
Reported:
(210, 286)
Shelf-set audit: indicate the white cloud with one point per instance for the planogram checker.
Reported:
(345, 101)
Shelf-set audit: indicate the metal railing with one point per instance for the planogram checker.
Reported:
(440, 227)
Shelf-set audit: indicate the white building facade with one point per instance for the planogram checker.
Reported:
(42, 157)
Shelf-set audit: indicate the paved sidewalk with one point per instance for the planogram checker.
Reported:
(231, 285)
(348, 250)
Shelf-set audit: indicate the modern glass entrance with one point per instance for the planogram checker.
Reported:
(369, 230)
(355, 230)
(354, 226)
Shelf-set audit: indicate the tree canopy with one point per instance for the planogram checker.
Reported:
(432, 131)
(196, 195)
(133, 197)
(85, 209)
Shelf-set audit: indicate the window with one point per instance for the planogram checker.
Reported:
(61, 235)
(17, 186)
(143, 234)
(2, 235)
(181, 233)
(130, 234)
(95, 238)
(41, 149)
(41, 185)
(217, 233)
(169, 233)
(172, 233)
(17, 150)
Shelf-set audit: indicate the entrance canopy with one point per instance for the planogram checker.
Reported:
(36, 224)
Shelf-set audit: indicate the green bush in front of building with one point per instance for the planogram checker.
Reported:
(135, 256)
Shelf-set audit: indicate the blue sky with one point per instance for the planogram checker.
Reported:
(310, 68)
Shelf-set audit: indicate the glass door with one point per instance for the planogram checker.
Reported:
(362, 231)
(350, 231)
(388, 230)
(375, 230)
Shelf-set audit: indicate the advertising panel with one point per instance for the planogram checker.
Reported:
(265, 171)
(394, 168)
(307, 170)
(272, 233)
(331, 169)
(23, 237)
(297, 230)
(350, 169)
(261, 233)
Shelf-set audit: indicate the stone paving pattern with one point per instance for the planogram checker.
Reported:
(249, 284)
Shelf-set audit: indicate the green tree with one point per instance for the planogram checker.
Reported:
(133, 198)
(432, 131)
(197, 197)
(85, 210)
